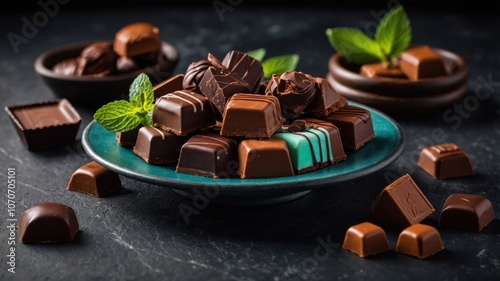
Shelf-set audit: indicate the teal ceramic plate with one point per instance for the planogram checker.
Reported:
(386, 147)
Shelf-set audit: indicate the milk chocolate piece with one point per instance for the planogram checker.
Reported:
(125, 65)
(183, 112)
(355, 125)
(48, 222)
(66, 67)
(382, 70)
(168, 86)
(220, 84)
(158, 147)
(466, 212)
(338, 152)
(401, 204)
(251, 116)
(95, 180)
(45, 125)
(443, 161)
(194, 73)
(421, 62)
(208, 155)
(295, 91)
(137, 39)
(366, 239)
(246, 67)
(266, 158)
(97, 59)
(419, 240)
(128, 138)
(326, 99)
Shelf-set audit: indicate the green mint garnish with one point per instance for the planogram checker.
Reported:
(393, 36)
(122, 115)
(275, 65)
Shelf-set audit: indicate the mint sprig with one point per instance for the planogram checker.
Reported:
(275, 65)
(393, 36)
(123, 115)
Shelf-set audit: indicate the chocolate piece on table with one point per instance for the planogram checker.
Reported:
(219, 84)
(401, 204)
(48, 222)
(466, 212)
(247, 67)
(265, 158)
(45, 125)
(295, 91)
(421, 62)
(366, 239)
(208, 155)
(128, 138)
(158, 147)
(183, 112)
(66, 67)
(168, 86)
(125, 65)
(251, 116)
(326, 99)
(97, 59)
(95, 180)
(309, 150)
(382, 70)
(337, 147)
(355, 125)
(194, 73)
(419, 240)
(137, 39)
(443, 161)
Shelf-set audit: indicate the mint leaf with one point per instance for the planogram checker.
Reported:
(257, 54)
(279, 64)
(354, 45)
(118, 116)
(141, 91)
(394, 32)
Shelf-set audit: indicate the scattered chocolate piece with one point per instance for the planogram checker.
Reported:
(95, 180)
(266, 158)
(137, 39)
(97, 59)
(419, 240)
(337, 147)
(168, 86)
(158, 147)
(248, 68)
(421, 62)
(326, 99)
(366, 239)
(45, 125)
(66, 67)
(128, 138)
(401, 204)
(194, 73)
(48, 222)
(382, 70)
(444, 161)
(466, 212)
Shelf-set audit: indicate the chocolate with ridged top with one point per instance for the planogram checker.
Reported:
(335, 137)
(219, 84)
(444, 161)
(246, 67)
(194, 73)
(326, 99)
(97, 59)
(137, 39)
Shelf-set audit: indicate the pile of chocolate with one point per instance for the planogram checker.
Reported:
(136, 46)
(220, 119)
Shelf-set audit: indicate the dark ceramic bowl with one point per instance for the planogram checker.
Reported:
(401, 96)
(97, 90)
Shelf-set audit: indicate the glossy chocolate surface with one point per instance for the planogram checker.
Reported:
(157, 146)
(447, 160)
(95, 180)
(128, 138)
(97, 59)
(401, 204)
(419, 240)
(194, 73)
(137, 39)
(366, 239)
(382, 70)
(421, 62)
(337, 147)
(168, 86)
(248, 68)
(467, 212)
(326, 99)
(48, 222)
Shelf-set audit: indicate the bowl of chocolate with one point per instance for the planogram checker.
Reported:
(99, 71)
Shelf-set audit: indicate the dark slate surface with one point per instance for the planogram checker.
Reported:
(140, 234)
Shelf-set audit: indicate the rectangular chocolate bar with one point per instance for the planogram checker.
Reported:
(157, 146)
(45, 125)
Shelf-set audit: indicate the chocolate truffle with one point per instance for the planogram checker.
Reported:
(466, 212)
(48, 222)
(169, 85)
(295, 91)
(421, 62)
(95, 180)
(443, 161)
(326, 99)
(66, 67)
(248, 68)
(194, 73)
(97, 59)
(158, 147)
(137, 39)
(366, 239)
(419, 240)
(382, 70)
(265, 158)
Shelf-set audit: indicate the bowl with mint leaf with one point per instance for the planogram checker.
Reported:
(390, 72)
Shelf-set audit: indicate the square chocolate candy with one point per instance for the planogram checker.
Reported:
(158, 147)
(467, 212)
(420, 241)
(447, 160)
(45, 125)
(366, 239)
(421, 62)
(95, 180)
